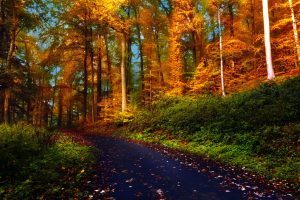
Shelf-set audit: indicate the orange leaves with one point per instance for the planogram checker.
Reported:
(110, 5)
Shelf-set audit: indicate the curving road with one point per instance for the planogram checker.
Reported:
(132, 171)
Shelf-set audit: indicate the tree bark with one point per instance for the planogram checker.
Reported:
(93, 75)
(60, 107)
(53, 97)
(295, 31)
(108, 63)
(195, 48)
(128, 58)
(70, 113)
(161, 75)
(221, 54)
(230, 8)
(10, 56)
(123, 72)
(85, 74)
(99, 75)
(141, 53)
(270, 69)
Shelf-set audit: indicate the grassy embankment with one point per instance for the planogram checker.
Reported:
(258, 129)
(37, 164)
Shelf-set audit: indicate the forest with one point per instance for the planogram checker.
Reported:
(215, 78)
(65, 63)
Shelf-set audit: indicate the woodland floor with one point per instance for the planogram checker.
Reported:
(133, 170)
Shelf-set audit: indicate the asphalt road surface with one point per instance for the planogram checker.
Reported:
(133, 171)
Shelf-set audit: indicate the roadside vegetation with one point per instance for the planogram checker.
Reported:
(38, 164)
(258, 129)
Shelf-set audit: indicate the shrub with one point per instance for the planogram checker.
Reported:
(35, 164)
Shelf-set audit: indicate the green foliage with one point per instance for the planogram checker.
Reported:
(35, 163)
(123, 118)
(258, 129)
(19, 144)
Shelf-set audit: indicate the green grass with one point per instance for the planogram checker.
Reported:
(258, 129)
(38, 164)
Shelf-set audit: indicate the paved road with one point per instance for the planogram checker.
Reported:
(132, 171)
(129, 171)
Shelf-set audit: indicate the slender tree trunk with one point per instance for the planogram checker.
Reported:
(108, 63)
(230, 9)
(128, 56)
(195, 48)
(270, 69)
(123, 72)
(60, 107)
(221, 54)
(253, 31)
(85, 75)
(93, 75)
(161, 75)
(141, 53)
(295, 31)
(212, 22)
(70, 113)
(141, 57)
(11, 52)
(29, 80)
(99, 76)
(150, 86)
(128, 64)
(53, 96)
(6, 105)
(253, 19)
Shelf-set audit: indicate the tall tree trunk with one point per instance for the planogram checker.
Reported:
(158, 54)
(221, 53)
(85, 75)
(295, 31)
(93, 75)
(10, 56)
(212, 22)
(6, 105)
(253, 31)
(142, 74)
(141, 57)
(70, 112)
(128, 57)
(123, 72)
(108, 63)
(230, 9)
(270, 69)
(150, 87)
(60, 107)
(253, 19)
(53, 96)
(99, 75)
(27, 103)
(195, 48)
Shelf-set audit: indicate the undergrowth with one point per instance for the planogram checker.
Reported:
(37, 164)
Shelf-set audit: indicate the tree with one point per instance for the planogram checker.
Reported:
(123, 72)
(15, 20)
(270, 69)
(221, 53)
(295, 31)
